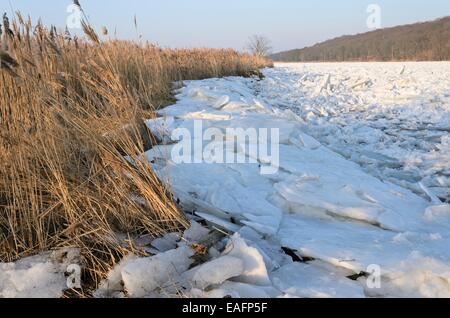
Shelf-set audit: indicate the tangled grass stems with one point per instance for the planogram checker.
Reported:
(69, 110)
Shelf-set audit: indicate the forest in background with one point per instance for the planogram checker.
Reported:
(414, 42)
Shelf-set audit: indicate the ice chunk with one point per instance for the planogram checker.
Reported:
(144, 275)
(195, 233)
(416, 276)
(303, 140)
(255, 271)
(216, 271)
(221, 102)
(310, 281)
(324, 85)
(167, 242)
(438, 213)
(205, 116)
(161, 127)
(112, 286)
(223, 224)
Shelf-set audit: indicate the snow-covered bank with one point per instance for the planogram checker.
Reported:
(317, 227)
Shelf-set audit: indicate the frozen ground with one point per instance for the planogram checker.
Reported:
(363, 156)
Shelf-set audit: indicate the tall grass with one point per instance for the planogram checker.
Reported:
(69, 110)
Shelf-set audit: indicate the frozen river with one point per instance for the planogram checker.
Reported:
(391, 118)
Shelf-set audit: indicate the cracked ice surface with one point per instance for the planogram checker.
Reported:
(327, 200)
(392, 118)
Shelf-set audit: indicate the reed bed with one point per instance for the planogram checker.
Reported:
(70, 109)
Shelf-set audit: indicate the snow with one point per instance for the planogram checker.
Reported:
(40, 276)
(361, 183)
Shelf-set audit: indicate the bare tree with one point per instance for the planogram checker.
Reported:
(259, 45)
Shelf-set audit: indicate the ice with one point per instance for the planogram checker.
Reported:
(239, 271)
(310, 281)
(375, 109)
(416, 277)
(216, 271)
(112, 286)
(143, 276)
(166, 243)
(326, 181)
(196, 233)
(255, 271)
(357, 169)
(160, 127)
(221, 102)
(270, 249)
(438, 214)
(221, 186)
(218, 222)
(357, 245)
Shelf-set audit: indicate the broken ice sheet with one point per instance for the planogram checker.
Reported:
(214, 272)
(255, 271)
(167, 242)
(195, 233)
(342, 188)
(399, 115)
(329, 207)
(313, 281)
(157, 274)
(357, 246)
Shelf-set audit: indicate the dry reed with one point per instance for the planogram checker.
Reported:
(69, 110)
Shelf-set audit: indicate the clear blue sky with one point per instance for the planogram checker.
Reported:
(228, 23)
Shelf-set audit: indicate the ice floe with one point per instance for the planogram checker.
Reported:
(343, 194)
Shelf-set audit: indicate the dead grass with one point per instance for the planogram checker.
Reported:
(69, 110)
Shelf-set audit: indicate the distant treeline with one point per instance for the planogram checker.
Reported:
(419, 41)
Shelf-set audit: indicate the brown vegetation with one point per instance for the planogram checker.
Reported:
(69, 110)
(428, 41)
